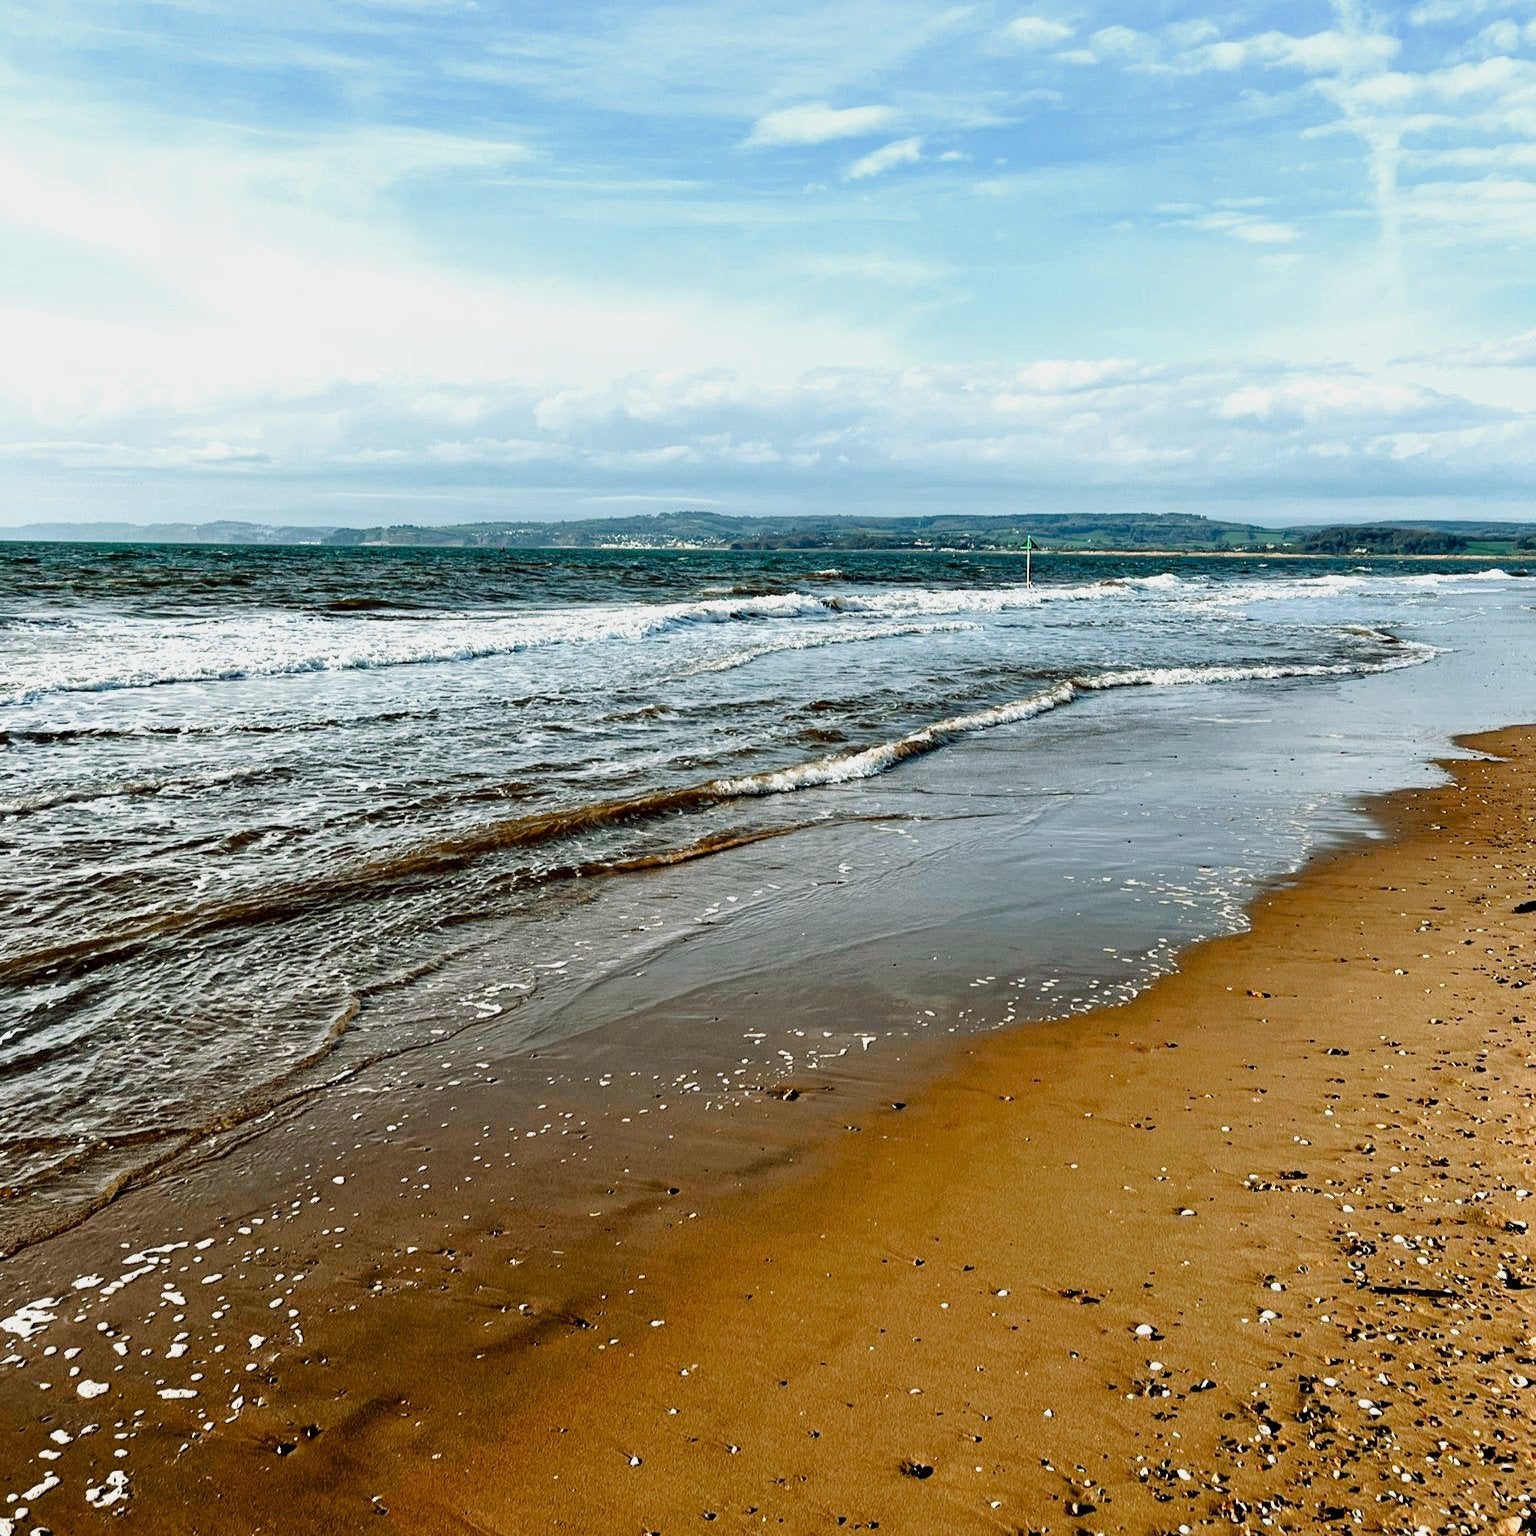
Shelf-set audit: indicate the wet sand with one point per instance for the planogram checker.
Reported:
(1250, 1252)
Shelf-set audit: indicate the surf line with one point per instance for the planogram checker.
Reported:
(454, 853)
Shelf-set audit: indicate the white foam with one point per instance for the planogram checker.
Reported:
(1413, 654)
(865, 763)
(1456, 578)
(869, 761)
(123, 653)
(111, 1490)
(1284, 589)
(31, 1318)
(811, 642)
(117, 652)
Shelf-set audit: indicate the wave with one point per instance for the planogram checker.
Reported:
(1414, 655)
(448, 855)
(33, 621)
(741, 658)
(1336, 584)
(868, 761)
(66, 735)
(1456, 578)
(132, 654)
(365, 605)
(127, 654)
(181, 784)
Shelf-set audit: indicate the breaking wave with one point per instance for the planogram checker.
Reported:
(445, 855)
(124, 654)
(741, 658)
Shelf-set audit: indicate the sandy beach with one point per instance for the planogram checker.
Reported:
(1250, 1252)
(606, 926)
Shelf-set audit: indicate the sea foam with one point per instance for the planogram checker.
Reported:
(114, 652)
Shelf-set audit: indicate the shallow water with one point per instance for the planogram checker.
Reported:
(268, 815)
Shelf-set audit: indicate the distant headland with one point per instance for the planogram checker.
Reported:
(1079, 533)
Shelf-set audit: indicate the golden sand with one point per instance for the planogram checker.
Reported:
(1248, 1253)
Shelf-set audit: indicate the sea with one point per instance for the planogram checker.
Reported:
(270, 817)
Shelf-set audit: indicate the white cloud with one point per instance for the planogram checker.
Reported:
(191, 301)
(877, 161)
(1319, 53)
(1433, 12)
(1510, 352)
(1499, 37)
(693, 58)
(1119, 42)
(1330, 52)
(817, 123)
(1198, 48)
(1336, 399)
(85, 454)
(1496, 207)
(228, 276)
(1036, 32)
(1079, 429)
(1485, 157)
(868, 267)
(1245, 227)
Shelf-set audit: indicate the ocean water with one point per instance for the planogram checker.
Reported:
(270, 816)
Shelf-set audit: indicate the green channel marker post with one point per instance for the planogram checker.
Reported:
(1029, 550)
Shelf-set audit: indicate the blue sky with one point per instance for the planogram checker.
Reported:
(351, 261)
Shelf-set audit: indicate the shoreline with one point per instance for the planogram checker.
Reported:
(1252, 1250)
(825, 1279)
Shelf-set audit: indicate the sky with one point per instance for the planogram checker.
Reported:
(347, 262)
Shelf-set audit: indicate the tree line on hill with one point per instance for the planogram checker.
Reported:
(691, 529)
(1382, 540)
